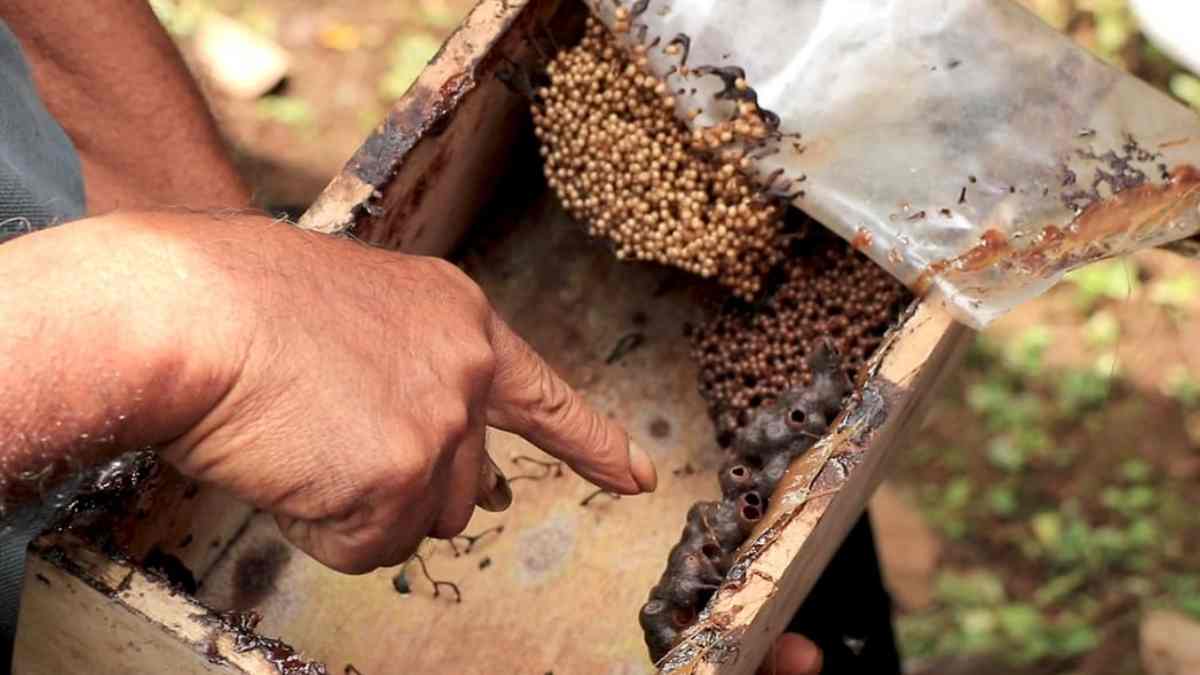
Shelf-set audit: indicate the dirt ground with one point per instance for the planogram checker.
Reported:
(1050, 501)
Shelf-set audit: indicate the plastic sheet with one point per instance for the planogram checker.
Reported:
(965, 146)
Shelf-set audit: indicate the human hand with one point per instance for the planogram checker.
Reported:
(363, 382)
(792, 654)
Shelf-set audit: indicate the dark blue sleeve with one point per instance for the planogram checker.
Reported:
(41, 183)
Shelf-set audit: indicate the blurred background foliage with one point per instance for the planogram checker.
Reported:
(1049, 509)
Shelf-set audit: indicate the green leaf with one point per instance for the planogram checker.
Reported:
(1143, 533)
(1002, 500)
(978, 626)
(1079, 391)
(1004, 454)
(1186, 87)
(1021, 622)
(977, 588)
(1059, 588)
(1074, 638)
(1114, 30)
(1047, 528)
(1004, 409)
(1103, 330)
(288, 110)
(409, 56)
(1026, 353)
(1111, 541)
(1178, 292)
(1182, 386)
(1184, 591)
(1115, 279)
(919, 634)
(1136, 470)
(1141, 497)
(440, 14)
(957, 494)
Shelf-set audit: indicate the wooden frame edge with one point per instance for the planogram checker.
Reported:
(819, 499)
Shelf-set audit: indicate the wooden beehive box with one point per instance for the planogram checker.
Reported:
(453, 168)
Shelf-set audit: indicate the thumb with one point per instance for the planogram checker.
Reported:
(527, 398)
(792, 654)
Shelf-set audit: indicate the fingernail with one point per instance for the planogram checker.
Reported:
(642, 468)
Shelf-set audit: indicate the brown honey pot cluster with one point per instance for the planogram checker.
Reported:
(827, 290)
(621, 162)
(774, 436)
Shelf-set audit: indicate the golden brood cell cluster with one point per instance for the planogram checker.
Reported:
(623, 164)
(828, 291)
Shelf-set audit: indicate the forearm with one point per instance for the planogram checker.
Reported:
(111, 338)
(114, 80)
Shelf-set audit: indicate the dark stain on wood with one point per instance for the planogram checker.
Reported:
(172, 569)
(660, 428)
(256, 572)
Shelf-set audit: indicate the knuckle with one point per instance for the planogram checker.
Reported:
(348, 555)
(556, 403)
(478, 362)
(451, 424)
(468, 292)
(453, 276)
(595, 434)
(411, 469)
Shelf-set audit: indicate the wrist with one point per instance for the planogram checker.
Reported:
(200, 316)
(112, 336)
(170, 330)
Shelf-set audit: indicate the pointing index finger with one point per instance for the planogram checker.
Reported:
(527, 398)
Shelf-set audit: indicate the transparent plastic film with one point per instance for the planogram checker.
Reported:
(968, 148)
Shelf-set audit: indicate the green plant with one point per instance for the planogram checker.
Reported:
(1025, 354)
(1003, 500)
(1184, 387)
(1079, 391)
(1178, 292)
(1107, 280)
(947, 508)
(288, 110)
(409, 55)
(1128, 501)
(1186, 87)
(973, 588)
(1136, 470)
(1002, 407)
(439, 14)
(1103, 330)
(1060, 588)
(1183, 591)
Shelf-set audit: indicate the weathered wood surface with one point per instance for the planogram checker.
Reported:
(101, 616)
(819, 500)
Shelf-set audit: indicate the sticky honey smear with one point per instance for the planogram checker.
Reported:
(623, 164)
